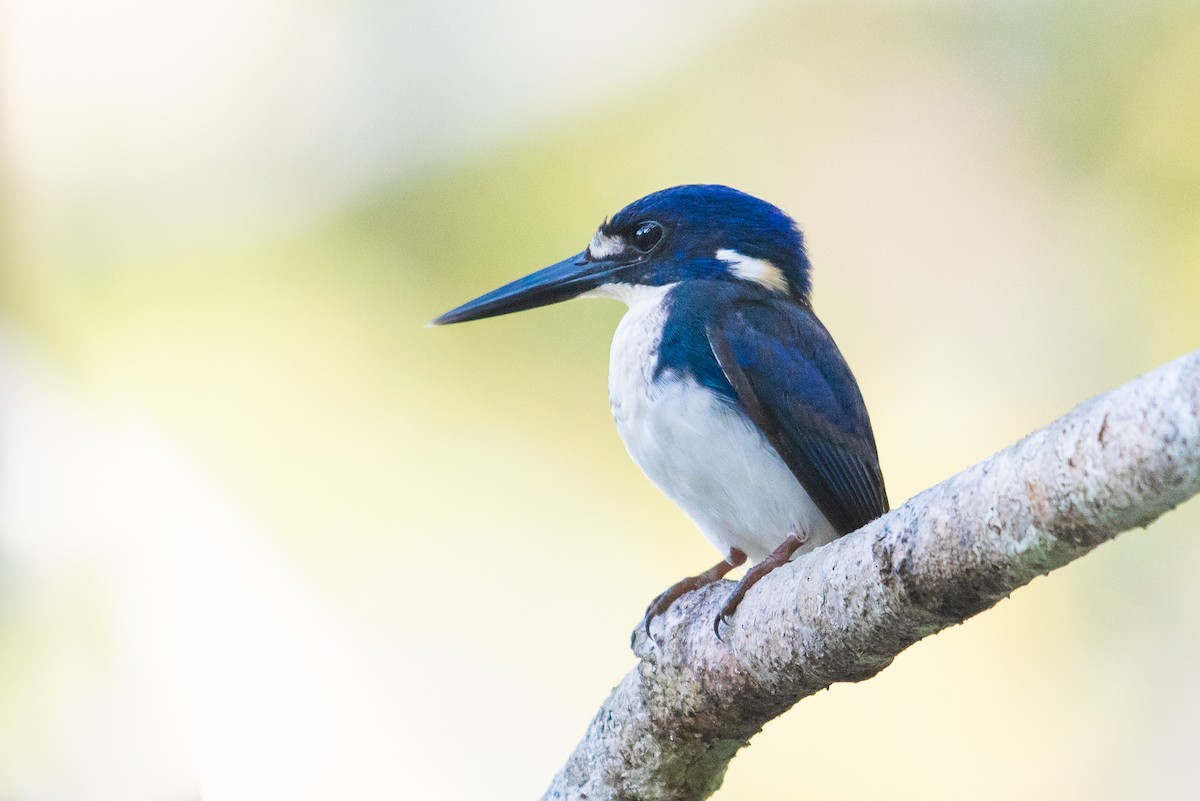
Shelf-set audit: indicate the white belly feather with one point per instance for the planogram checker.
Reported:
(701, 452)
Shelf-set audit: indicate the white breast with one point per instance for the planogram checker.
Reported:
(702, 453)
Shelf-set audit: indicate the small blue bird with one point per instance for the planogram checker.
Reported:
(727, 390)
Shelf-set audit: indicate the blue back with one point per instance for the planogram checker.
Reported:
(773, 361)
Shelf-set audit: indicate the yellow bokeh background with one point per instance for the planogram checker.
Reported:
(265, 536)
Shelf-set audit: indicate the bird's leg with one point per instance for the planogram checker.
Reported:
(777, 557)
(715, 573)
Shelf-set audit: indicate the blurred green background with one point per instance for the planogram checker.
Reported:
(263, 536)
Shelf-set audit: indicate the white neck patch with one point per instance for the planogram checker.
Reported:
(760, 271)
(602, 246)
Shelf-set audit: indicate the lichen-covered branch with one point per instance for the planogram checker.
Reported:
(844, 611)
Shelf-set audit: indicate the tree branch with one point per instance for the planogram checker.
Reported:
(844, 611)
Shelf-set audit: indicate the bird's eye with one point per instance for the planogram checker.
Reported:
(647, 236)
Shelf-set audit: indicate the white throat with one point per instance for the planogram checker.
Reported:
(635, 296)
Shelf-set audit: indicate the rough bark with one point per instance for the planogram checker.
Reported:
(844, 611)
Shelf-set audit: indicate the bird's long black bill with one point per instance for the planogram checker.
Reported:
(568, 279)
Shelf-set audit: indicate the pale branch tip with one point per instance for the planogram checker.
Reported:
(843, 612)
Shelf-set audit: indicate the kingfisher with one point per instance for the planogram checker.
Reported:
(726, 389)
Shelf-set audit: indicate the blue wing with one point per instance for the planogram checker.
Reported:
(791, 380)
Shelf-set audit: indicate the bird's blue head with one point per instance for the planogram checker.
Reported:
(684, 233)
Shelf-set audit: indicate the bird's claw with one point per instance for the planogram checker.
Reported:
(725, 616)
(646, 627)
(652, 611)
(721, 618)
